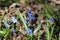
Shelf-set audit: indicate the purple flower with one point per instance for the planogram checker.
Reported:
(51, 19)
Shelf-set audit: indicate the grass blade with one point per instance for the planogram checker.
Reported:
(59, 36)
(51, 32)
(47, 32)
(22, 19)
(38, 27)
(39, 37)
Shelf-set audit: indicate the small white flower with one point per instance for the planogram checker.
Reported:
(14, 19)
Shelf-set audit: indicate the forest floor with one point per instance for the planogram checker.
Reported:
(31, 20)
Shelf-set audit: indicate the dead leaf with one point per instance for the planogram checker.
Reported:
(41, 32)
(57, 2)
(1, 12)
(53, 0)
(39, 7)
(22, 2)
(13, 5)
(53, 39)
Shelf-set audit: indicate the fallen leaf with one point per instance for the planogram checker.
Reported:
(57, 2)
(13, 5)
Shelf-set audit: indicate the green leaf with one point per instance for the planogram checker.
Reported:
(2, 32)
(6, 34)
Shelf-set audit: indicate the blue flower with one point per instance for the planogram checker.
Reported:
(6, 23)
(32, 17)
(26, 21)
(29, 13)
(14, 19)
(14, 30)
(30, 31)
(51, 19)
